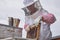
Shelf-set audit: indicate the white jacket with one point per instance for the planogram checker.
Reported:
(45, 33)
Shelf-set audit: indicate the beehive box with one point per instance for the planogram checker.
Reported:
(9, 31)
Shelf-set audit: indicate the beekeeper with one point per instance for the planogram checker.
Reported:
(33, 12)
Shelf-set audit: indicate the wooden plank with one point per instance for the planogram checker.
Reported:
(8, 31)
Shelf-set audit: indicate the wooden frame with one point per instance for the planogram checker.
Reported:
(34, 33)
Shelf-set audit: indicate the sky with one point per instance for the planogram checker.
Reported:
(53, 6)
(12, 8)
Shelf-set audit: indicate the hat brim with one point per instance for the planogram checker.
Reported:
(28, 4)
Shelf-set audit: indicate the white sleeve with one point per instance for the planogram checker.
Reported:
(45, 33)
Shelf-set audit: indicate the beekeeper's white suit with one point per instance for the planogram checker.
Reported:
(45, 32)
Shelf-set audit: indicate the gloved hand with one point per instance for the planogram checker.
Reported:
(49, 18)
(26, 27)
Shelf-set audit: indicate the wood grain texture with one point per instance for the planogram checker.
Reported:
(34, 32)
(7, 31)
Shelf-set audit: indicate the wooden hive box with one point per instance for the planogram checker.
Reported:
(56, 38)
(9, 31)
